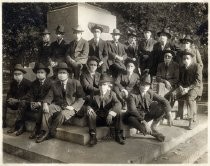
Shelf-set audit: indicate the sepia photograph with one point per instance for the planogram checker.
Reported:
(104, 82)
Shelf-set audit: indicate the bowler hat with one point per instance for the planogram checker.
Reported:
(164, 31)
(116, 32)
(92, 58)
(129, 60)
(64, 66)
(20, 68)
(187, 53)
(186, 38)
(106, 78)
(60, 29)
(39, 66)
(146, 79)
(96, 27)
(168, 50)
(45, 31)
(78, 28)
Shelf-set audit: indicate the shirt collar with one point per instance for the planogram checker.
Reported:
(64, 82)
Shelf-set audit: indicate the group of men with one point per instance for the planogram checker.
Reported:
(107, 81)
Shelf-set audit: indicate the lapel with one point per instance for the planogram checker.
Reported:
(107, 98)
(97, 78)
(140, 98)
(93, 44)
(59, 88)
(100, 44)
(97, 99)
(114, 46)
(89, 78)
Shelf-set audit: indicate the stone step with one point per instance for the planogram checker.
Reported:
(138, 148)
(187, 152)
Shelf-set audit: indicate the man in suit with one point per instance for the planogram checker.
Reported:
(145, 48)
(167, 73)
(190, 87)
(58, 47)
(98, 48)
(147, 106)
(31, 104)
(64, 100)
(126, 82)
(77, 52)
(187, 44)
(104, 109)
(157, 55)
(116, 54)
(90, 77)
(44, 48)
(19, 87)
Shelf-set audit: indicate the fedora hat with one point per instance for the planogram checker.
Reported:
(39, 66)
(186, 38)
(129, 60)
(92, 58)
(168, 50)
(45, 31)
(60, 29)
(116, 32)
(20, 68)
(105, 78)
(77, 28)
(146, 79)
(187, 53)
(96, 27)
(164, 31)
(64, 66)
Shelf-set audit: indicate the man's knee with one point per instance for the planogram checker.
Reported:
(192, 95)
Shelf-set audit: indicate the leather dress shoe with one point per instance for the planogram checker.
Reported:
(12, 130)
(20, 131)
(42, 138)
(33, 135)
(119, 138)
(93, 140)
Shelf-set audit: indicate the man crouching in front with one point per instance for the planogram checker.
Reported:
(64, 100)
(104, 109)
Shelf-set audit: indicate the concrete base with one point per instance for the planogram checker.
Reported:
(138, 148)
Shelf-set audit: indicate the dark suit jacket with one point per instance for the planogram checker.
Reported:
(123, 82)
(132, 52)
(37, 92)
(44, 53)
(78, 51)
(136, 104)
(90, 85)
(170, 74)
(58, 51)
(157, 56)
(192, 78)
(109, 103)
(113, 50)
(18, 92)
(101, 51)
(74, 94)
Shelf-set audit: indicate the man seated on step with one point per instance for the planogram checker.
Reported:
(190, 86)
(147, 106)
(126, 82)
(167, 74)
(64, 100)
(104, 109)
(31, 104)
(90, 77)
(19, 87)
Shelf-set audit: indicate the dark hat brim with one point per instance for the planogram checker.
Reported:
(104, 81)
(77, 30)
(96, 27)
(145, 83)
(183, 40)
(162, 32)
(59, 32)
(22, 70)
(169, 51)
(127, 61)
(187, 53)
(116, 33)
(46, 69)
(63, 68)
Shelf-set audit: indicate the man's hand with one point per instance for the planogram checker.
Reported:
(134, 59)
(167, 84)
(100, 63)
(45, 108)
(185, 90)
(147, 127)
(90, 112)
(70, 108)
(35, 105)
(125, 91)
(12, 101)
(119, 57)
(109, 119)
(170, 121)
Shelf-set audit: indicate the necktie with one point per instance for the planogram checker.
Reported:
(63, 89)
